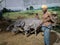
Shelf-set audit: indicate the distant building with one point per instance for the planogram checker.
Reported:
(23, 4)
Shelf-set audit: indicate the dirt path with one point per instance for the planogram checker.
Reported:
(7, 38)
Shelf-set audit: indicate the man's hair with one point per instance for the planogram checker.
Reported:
(44, 6)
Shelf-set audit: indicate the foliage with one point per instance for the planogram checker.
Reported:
(27, 8)
(31, 7)
(4, 10)
(56, 8)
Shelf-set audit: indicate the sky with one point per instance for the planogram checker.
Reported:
(23, 4)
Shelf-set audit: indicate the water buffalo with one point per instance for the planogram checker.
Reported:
(26, 24)
(33, 23)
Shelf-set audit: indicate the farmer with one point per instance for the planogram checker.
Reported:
(46, 24)
(37, 16)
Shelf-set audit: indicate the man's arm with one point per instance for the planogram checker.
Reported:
(51, 17)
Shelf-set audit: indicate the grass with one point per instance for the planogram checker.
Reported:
(27, 14)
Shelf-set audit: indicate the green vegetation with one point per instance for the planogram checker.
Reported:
(56, 8)
(26, 14)
(31, 7)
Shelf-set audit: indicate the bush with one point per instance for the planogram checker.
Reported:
(31, 7)
(27, 8)
(4, 10)
(57, 8)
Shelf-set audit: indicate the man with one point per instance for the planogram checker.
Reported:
(37, 16)
(46, 24)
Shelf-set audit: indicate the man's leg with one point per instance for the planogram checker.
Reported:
(47, 36)
(43, 28)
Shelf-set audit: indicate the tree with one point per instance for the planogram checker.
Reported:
(27, 8)
(31, 7)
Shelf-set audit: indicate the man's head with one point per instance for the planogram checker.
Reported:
(37, 14)
(44, 7)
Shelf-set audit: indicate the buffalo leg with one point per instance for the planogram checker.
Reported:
(35, 32)
(26, 32)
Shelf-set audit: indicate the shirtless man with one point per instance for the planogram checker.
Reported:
(37, 16)
(46, 24)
